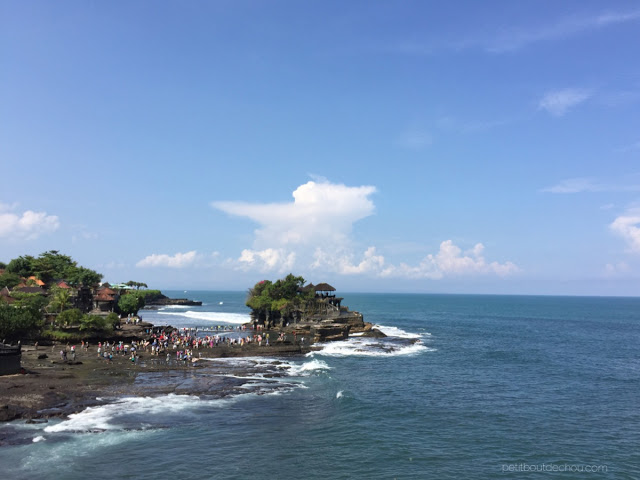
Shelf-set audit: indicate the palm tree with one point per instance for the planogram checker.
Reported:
(60, 300)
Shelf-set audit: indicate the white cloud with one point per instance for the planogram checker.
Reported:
(513, 39)
(320, 213)
(314, 233)
(4, 207)
(28, 225)
(558, 102)
(179, 260)
(343, 262)
(627, 227)
(573, 185)
(583, 184)
(516, 38)
(450, 261)
(269, 259)
(615, 269)
(84, 236)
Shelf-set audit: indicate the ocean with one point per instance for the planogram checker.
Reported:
(464, 386)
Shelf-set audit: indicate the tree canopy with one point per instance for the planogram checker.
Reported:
(49, 266)
(16, 323)
(138, 285)
(280, 296)
(130, 303)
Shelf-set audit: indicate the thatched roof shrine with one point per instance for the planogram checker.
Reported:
(324, 287)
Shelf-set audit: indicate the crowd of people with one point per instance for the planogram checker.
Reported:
(182, 343)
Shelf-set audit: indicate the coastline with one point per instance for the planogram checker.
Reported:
(51, 387)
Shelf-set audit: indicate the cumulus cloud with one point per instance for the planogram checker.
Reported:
(269, 259)
(451, 261)
(321, 212)
(344, 263)
(28, 225)
(559, 102)
(179, 260)
(314, 233)
(627, 227)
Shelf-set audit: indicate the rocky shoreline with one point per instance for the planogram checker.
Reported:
(50, 387)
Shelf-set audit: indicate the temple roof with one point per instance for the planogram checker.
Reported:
(324, 287)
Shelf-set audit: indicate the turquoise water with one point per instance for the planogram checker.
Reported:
(495, 384)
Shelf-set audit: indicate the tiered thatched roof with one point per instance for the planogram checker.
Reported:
(324, 287)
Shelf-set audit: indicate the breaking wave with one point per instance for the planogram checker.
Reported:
(213, 317)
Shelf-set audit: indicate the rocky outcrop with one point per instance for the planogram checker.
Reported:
(329, 332)
(162, 301)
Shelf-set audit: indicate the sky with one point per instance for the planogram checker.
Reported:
(380, 146)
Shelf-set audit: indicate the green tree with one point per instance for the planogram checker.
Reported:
(60, 299)
(69, 317)
(138, 285)
(9, 280)
(21, 266)
(83, 276)
(19, 322)
(93, 322)
(52, 264)
(113, 320)
(29, 300)
(130, 303)
(279, 299)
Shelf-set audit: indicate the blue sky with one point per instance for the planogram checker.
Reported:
(461, 147)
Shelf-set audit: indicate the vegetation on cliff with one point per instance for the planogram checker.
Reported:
(282, 300)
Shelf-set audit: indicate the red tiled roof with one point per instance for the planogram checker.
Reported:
(105, 297)
(39, 282)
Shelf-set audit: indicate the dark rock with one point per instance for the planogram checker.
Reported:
(7, 413)
(330, 332)
(162, 300)
(31, 421)
(42, 356)
(373, 333)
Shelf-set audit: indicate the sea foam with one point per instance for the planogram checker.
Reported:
(213, 317)
(398, 332)
(370, 348)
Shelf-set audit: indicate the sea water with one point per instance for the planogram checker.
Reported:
(463, 387)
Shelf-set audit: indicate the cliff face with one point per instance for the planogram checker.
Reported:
(322, 318)
(332, 324)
